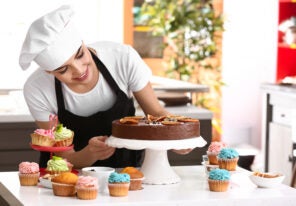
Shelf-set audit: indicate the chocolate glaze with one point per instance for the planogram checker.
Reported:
(144, 131)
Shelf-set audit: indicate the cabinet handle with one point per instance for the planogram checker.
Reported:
(291, 159)
(283, 115)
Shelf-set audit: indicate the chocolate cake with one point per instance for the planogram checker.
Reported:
(156, 128)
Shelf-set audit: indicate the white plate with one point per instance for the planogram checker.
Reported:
(45, 182)
(267, 182)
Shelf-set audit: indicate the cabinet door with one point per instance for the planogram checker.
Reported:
(280, 149)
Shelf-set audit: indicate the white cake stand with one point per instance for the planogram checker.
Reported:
(156, 167)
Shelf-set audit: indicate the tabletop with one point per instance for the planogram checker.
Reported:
(191, 190)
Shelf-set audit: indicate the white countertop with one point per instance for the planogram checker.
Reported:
(288, 90)
(13, 107)
(192, 190)
(191, 111)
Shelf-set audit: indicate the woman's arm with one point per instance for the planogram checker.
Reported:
(150, 105)
(95, 150)
(149, 102)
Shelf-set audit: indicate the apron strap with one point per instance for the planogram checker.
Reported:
(59, 95)
(103, 69)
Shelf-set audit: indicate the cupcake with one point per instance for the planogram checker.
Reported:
(228, 158)
(64, 184)
(118, 184)
(87, 187)
(213, 151)
(218, 180)
(63, 136)
(28, 173)
(43, 137)
(58, 165)
(136, 177)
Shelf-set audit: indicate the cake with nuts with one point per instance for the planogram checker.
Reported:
(170, 127)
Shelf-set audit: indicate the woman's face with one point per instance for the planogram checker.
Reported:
(79, 70)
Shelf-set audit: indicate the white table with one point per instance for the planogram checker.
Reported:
(192, 190)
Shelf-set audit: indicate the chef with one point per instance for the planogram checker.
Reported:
(86, 86)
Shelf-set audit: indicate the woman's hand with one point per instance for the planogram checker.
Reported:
(182, 151)
(98, 148)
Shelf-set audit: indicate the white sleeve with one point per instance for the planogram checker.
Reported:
(39, 101)
(139, 73)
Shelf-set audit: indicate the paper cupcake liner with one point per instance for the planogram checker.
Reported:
(228, 164)
(213, 160)
(218, 185)
(56, 172)
(136, 184)
(65, 190)
(118, 189)
(87, 193)
(29, 179)
(42, 140)
(65, 142)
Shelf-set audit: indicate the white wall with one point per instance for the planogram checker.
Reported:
(96, 20)
(249, 59)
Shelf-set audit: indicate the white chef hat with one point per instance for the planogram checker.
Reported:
(51, 40)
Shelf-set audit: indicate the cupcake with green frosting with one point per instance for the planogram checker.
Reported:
(57, 165)
(218, 180)
(63, 136)
(118, 184)
(228, 159)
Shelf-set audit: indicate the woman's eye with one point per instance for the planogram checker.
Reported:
(63, 70)
(80, 55)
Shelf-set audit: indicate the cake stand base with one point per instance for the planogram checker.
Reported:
(160, 173)
(156, 167)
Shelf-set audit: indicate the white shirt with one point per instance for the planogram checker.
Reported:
(125, 65)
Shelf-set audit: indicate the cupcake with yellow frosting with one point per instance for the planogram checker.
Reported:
(57, 165)
(63, 136)
(136, 177)
(64, 184)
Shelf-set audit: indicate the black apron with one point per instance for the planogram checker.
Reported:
(98, 124)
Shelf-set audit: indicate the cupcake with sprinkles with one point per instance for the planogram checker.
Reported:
(87, 187)
(228, 158)
(213, 151)
(118, 184)
(218, 180)
(29, 173)
(63, 136)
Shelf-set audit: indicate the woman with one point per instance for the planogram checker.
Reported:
(86, 86)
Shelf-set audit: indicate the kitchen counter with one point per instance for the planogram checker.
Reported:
(192, 190)
(15, 130)
(188, 110)
(289, 90)
(278, 128)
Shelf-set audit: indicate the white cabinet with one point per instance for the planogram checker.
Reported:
(280, 150)
(279, 129)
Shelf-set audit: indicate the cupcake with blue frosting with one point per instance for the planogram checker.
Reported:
(118, 184)
(218, 180)
(228, 158)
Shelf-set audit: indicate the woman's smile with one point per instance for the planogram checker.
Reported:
(83, 76)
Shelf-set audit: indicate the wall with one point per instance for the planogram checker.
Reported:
(97, 20)
(249, 58)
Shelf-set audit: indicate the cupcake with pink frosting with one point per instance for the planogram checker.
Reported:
(87, 187)
(213, 151)
(29, 173)
(43, 137)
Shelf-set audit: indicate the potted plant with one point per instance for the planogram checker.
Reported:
(191, 30)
